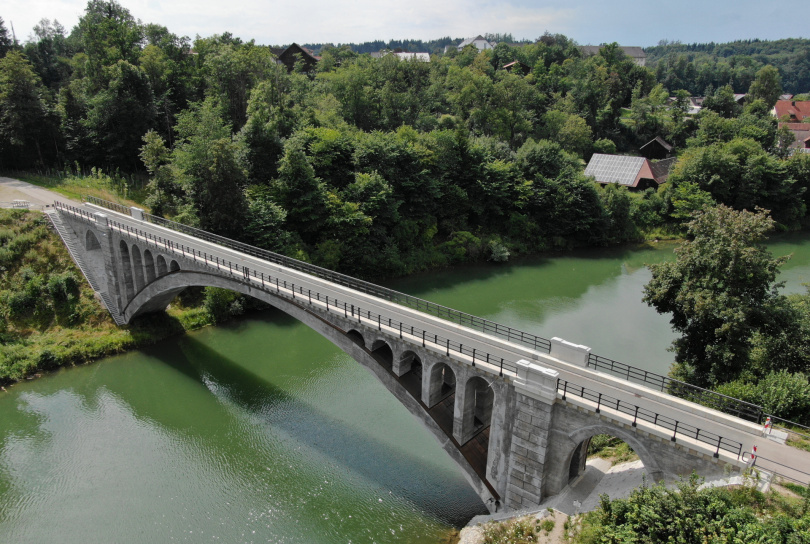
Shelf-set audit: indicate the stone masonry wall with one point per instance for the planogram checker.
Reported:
(528, 452)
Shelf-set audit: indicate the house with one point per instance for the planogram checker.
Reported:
(421, 57)
(657, 148)
(290, 55)
(636, 53)
(801, 131)
(517, 67)
(792, 111)
(632, 172)
(662, 168)
(478, 42)
(740, 98)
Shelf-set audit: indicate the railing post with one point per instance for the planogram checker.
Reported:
(400, 330)
(635, 418)
(448, 347)
(500, 373)
(379, 322)
(565, 389)
(599, 403)
(473, 362)
(719, 441)
(423, 338)
(674, 433)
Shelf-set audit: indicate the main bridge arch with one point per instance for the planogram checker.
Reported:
(363, 345)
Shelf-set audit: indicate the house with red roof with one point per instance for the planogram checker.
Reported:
(792, 111)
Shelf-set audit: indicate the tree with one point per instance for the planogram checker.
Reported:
(6, 43)
(210, 174)
(719, 291)
(24, 116)
(119, 115)
(767, 86)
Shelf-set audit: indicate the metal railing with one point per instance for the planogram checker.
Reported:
(638, 413)
(484, 325)
(704, 397)
(686, 391)
(298, 293)
(746, 456)
(114, 206)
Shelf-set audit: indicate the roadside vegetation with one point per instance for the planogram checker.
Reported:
(688, 514)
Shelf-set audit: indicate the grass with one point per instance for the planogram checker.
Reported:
(49, 316)
(609, 447)
(126, 190)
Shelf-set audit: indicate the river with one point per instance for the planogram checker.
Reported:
(262, 431)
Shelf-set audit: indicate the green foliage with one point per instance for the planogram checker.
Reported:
(686, 514)
(515, 531)
(778, 392)
(222, 304)
(720, 291)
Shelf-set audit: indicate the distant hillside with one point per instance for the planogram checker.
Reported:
(415, 46)
(696, 66)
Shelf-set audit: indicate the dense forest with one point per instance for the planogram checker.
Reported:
(700, 66)
(379, 167)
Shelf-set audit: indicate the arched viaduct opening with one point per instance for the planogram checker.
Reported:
(411, 378)
(604, 441)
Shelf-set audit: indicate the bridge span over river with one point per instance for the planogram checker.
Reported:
(514, 410)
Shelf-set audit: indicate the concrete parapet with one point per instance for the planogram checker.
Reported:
(536, 381)
(569, 352)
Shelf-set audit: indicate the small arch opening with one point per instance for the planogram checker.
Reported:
(137, 268)
(356, 337)
(126, 269)
(91, 243)
(411, 378)
(174, 267)
(442, 396)
(149, 265)
(610, 449)
(382, 353)
(160, 262)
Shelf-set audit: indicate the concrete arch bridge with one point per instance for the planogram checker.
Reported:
(514, 410)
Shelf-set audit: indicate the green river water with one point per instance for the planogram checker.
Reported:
(262, 431)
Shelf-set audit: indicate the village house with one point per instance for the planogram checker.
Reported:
(632, 172)
(657, 148)
(801, 134)
(791, 111)
(636, 53)
(288, 56)
(478, 42)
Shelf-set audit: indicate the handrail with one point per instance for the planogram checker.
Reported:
(746, 456)
(484, 325)
(120, 208)
(449, 346)
(711, 399)
(677, 388)
(677, 427)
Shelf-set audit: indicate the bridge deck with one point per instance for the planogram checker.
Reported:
(489, 353)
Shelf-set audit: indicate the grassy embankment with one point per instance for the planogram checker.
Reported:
(115, 188)
(49, 316)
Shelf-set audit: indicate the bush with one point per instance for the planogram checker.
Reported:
(780, 393)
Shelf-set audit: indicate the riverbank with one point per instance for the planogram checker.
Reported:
(50, 315)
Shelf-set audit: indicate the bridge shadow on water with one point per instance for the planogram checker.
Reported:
(391, 468)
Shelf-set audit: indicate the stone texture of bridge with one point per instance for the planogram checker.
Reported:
(516, 414)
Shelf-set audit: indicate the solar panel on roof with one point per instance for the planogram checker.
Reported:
(614, 168)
